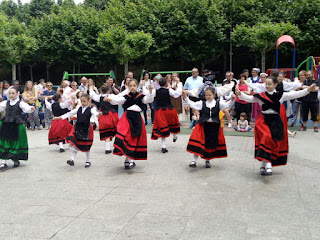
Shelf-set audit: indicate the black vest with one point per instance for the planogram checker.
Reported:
(270, 101)
(105, 106)
(133, 99)
(57, 110)
(163, 98)
(13, 113)
(84, 117)
(212, 113)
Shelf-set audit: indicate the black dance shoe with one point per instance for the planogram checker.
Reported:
(269, 172)
(70, 162)
(3, 167)
(193, 164)
(164, 150)
(16, 164)
(208, 165)
(108, 151)
(262, 171)
(62, 150)
(88, 164)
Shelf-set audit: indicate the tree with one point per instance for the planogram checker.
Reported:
(15, 42)
(125, 45)
(261, 38)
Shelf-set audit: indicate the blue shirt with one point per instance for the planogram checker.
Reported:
(51, 93)
(192, 83)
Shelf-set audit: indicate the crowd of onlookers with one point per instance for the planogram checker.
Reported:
(35, 94)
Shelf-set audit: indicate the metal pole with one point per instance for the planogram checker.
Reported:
(230, 44)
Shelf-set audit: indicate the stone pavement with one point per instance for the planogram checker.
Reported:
(162, 198)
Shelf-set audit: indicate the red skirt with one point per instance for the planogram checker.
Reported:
(108, 125)
(81, 145)
(125, 144)
(59, 130)
(165, 122)
(196, 144)
(267, 149)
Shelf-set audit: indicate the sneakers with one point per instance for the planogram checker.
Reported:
(3, 167)
(303, 128)
(229, 125)
(175, 139)
(40, 127)
(316, 129)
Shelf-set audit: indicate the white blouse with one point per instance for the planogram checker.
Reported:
(62, 105)
(287, 86)
(24, 106)
(118, 99)
(198, 105)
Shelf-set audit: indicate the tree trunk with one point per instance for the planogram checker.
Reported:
(126, 67)
(31, 72)
(182, 64)
(48, 66)
(115, 71)
(73, 70)
(19, 71)
(14, 71)
(263, 61)
(202, 67)
(79, 71)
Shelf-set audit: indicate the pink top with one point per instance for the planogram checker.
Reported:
(242, 88)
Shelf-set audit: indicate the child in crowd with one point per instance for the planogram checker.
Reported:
(166, 119)
(13, 136)
(131, 136)
(195, 118)
(242, 106)
(81, 137)
(60, 128)
(243, 125)
(108, 116)
(207, 139)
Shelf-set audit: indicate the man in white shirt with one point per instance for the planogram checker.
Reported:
(84, 82)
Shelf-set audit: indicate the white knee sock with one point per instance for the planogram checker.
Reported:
(4, 162)
(61, 145)
(195, 157)
(268, 165)
(263, 163)
(174, 136)
(163, 141)
(88, 156)
(108, 146)
(73, 155)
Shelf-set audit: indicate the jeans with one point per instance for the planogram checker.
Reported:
(48, 115)
(295, 109)
(34, 118)
(145, 112)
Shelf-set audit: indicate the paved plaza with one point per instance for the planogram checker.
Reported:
(162, 198)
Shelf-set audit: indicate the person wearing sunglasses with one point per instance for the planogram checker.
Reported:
(48, 94)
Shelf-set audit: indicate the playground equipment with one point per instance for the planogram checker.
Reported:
(312, 63)
(66, 75)
(289, 72)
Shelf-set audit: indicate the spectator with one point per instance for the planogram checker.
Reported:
(255, 75)
(5, 89)
(65, 91)
(83, 85)
(74, 86)
(114, 89)
(47, 95)
(242, 106)
(42, 86)
(129, 75)
(193, 82)
(227, 111)
(177, 102)
(246, 73)
(243, 125)
(126, 83)
(297, 102)
(263, 77)
(195, 118)
(144, 83)
(30, 96)
(156, 81)
(310, 102)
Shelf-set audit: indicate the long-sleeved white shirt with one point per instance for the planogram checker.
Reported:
(287, 86)
(148, 98)
(24, 106)
(286, 96)
(198, 105)
(96, 97)
(62, 105)
(174, 93)
(74, 112)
